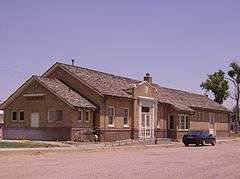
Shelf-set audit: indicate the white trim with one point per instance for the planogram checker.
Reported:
(34, 95)
(20, 116)
(126, 125)
(113, 120)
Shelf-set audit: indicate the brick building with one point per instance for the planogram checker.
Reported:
(73, 103)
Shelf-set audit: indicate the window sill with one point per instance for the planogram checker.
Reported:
(111, 126)
(126, 126)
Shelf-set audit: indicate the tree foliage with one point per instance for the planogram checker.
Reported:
(218, 85)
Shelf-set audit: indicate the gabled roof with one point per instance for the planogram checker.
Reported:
(57, 88)
(106, 84)
(65, 93)
(113, 85)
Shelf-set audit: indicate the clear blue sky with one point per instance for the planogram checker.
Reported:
(178, 42)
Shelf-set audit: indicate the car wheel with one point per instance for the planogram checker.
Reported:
(186, 145)
(213, 143)
(197, 144)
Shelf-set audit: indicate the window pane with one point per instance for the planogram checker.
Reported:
(125, 117)
(143, 120)
(148, 121)
(111, 111)
(52, 115)
(14, 116)
(21, 115)
(171, 122)
(182, 122)
(187, 122)
(59, 115)
(110, 115)
(145, 109)
(80, 115)
(86, 116)
(110, 120)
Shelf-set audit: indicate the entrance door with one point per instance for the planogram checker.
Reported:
(35, 120)
(146, 126)
(212, 124)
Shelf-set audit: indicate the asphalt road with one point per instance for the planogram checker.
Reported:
(220, 161)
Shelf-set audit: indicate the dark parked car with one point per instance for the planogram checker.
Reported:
(198, 137)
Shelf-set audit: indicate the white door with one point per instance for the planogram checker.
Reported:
(146, 126)
(212, 129)
(34, 120)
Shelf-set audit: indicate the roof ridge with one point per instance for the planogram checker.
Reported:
(113, 75)
(168, 88)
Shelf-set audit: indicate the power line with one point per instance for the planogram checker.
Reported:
(15, 71)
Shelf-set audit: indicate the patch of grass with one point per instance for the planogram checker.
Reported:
(24, 144)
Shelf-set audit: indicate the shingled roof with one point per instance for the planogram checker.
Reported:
(64, 92)
(109, 84)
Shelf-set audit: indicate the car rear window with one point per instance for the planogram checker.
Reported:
(195, 133)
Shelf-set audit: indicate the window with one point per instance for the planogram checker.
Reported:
(80, 116)
(211, 118)
(202, 116)
(126, 118)
(55, 115)
(111, 116)
(86, 116)
(14, 116)
(183, 122)
(145, 109)
(171, 122)
(158, 123)
(21, 116)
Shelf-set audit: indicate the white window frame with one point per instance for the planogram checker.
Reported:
(20, 116)
(111, 125)
(49, 115)
(89, 115)
(16, 116)
(169, 122)
(126, 125)
(80, 111)
(185, 122)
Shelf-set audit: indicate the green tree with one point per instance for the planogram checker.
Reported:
(234, 74)
(218, 85)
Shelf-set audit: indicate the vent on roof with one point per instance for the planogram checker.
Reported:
(147, 78)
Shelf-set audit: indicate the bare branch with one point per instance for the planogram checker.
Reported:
(234, 82)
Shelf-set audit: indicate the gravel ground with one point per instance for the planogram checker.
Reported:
(221, 161)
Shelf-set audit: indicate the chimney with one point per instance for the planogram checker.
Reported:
(73, 61)
(148, 78)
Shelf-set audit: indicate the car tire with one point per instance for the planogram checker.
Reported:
(186, 145)
(197, 144)
(213, 143)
